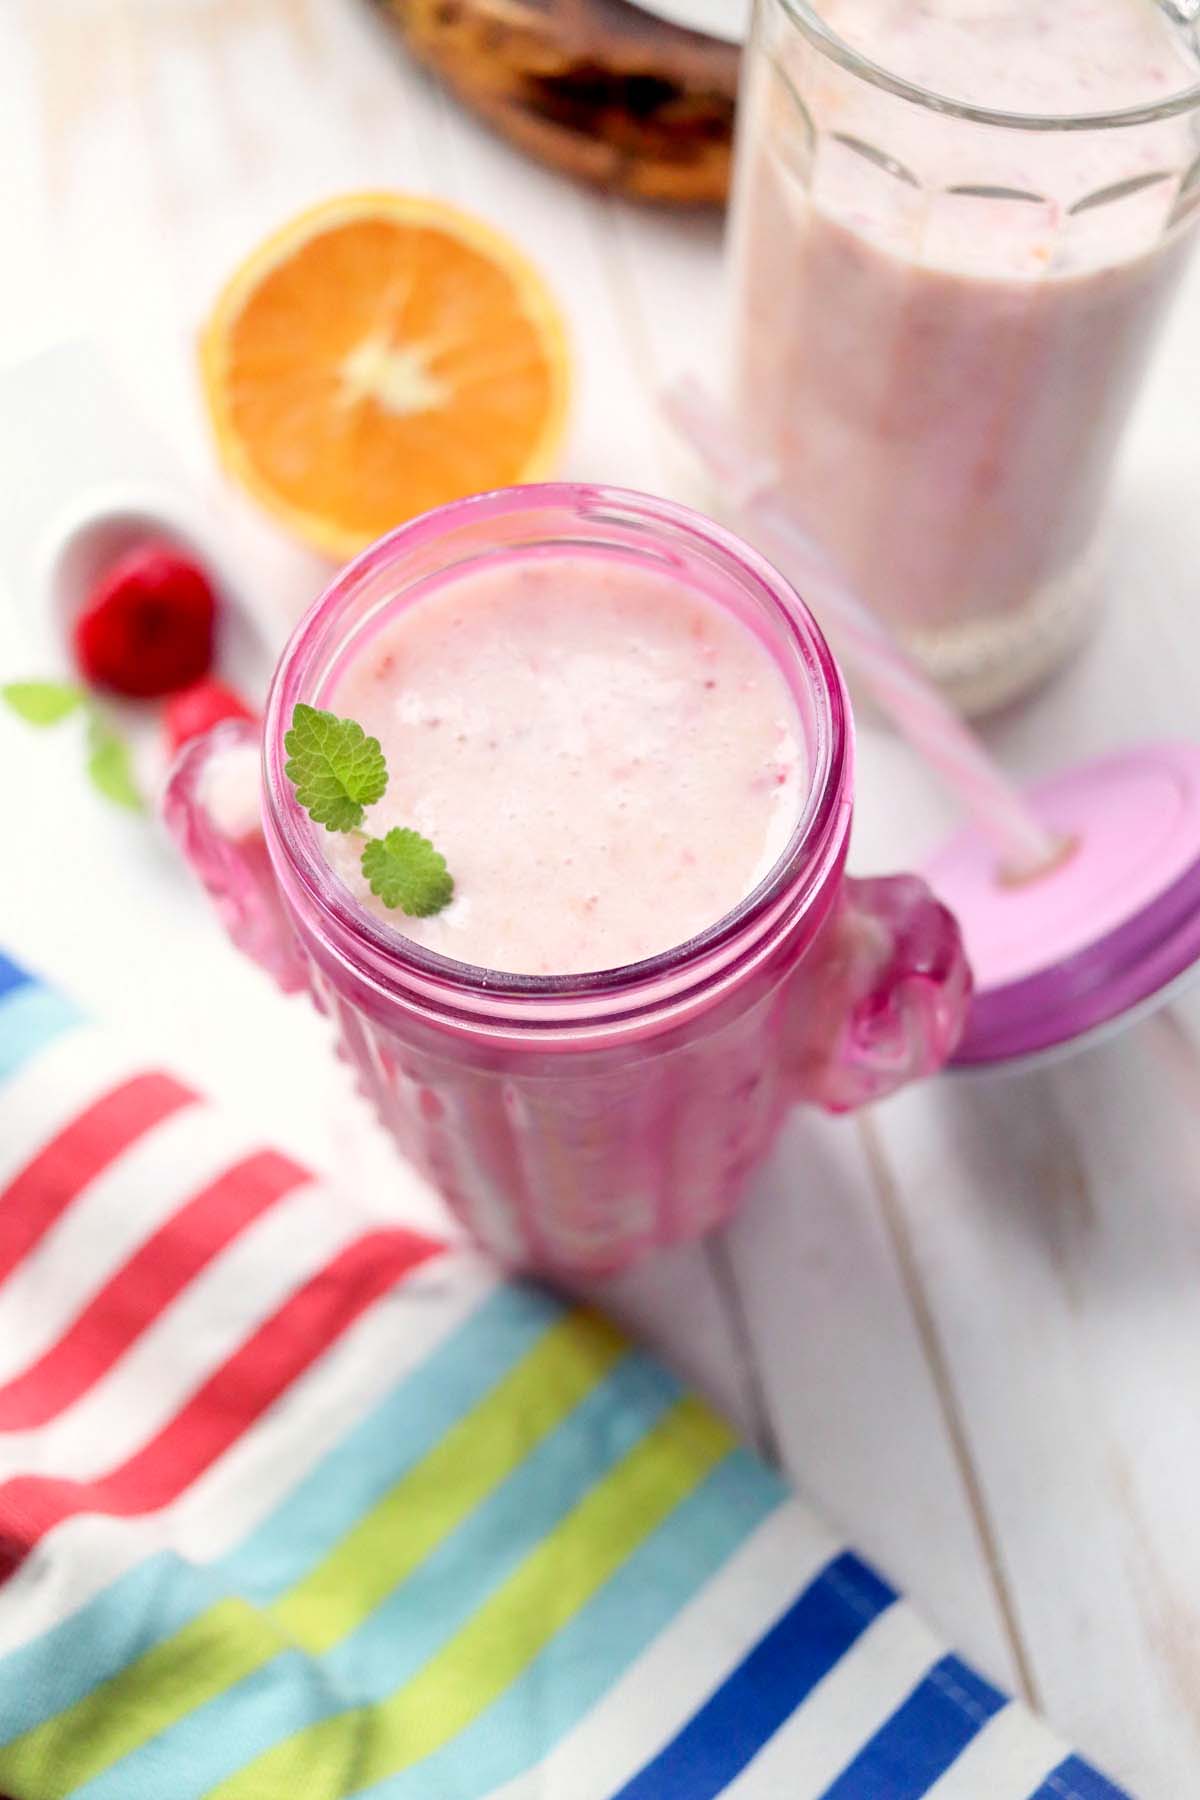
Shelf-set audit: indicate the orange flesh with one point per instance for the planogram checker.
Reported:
(382, 367)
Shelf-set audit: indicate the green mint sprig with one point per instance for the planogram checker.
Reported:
(44, 702)
(405, 870)
(338, 771)
(109, 764)
(335, 768)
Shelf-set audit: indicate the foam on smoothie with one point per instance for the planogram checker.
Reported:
(608, 759)
(1016, 56)
(1027, 56)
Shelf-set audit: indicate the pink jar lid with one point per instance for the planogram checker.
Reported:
(1105, 934)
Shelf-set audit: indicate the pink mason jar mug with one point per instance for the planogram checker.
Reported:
(574, 1123)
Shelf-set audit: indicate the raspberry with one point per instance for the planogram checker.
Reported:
(147, 627)
(198, 708)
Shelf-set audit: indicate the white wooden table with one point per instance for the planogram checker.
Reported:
(968, 1324)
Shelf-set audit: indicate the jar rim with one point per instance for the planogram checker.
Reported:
(396, 963)
(823, 36)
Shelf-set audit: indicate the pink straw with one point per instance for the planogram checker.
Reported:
(902, 692)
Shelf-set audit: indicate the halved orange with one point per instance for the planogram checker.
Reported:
(377, 356)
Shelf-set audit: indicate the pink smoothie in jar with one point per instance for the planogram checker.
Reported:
(956, 225)
(625, 733)
(608, 759)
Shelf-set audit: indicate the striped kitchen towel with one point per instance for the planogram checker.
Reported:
(295, 1506)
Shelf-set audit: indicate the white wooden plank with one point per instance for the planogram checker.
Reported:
(672, 265)
(671, 286)
(1054, 1222)
(858, 1416)
(1053, 1217)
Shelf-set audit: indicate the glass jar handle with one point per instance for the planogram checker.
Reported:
(212, 809)
(902, 986)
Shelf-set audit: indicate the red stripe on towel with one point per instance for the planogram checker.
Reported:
(297, 1335)
(155, 1275)
(46, 1186)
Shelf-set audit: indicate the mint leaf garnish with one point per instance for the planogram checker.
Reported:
(110, 767)
(337, 771)
(43, 702)
(335, 768)
(403, 869)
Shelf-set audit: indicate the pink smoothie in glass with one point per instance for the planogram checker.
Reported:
(608, 759)
(940, 323)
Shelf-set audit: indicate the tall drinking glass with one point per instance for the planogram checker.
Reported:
(956, 228)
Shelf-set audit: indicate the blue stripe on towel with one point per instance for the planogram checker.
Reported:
(924, 1735)
(11, 976)
(773, 1679)
(1076, 1780)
